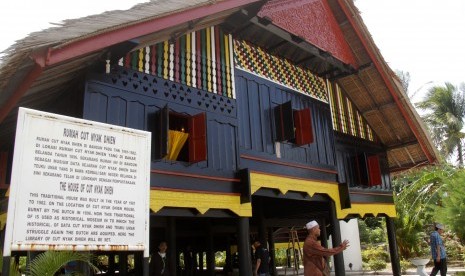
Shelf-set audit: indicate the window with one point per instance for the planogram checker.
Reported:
(179, 137)
(293, 125)
(367, 171)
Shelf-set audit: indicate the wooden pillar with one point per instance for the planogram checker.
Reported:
(201, 262)
(229, 262)
(243, 247)
(391, 232)
(261, 224)
(123, 263)
(171, 251)
(339, 268)
(140, 265)
(323, 233)
(210, 251)
(272, 249)
(111, 263)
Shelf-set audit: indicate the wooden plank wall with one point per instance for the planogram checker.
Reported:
(256, 98)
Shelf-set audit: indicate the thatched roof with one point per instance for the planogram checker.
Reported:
(38, 68)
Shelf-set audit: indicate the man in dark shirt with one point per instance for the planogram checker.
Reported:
(262, 257)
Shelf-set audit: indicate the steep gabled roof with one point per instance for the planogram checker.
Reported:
(41, 66)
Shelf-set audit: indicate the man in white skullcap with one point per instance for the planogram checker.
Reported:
(315, 254)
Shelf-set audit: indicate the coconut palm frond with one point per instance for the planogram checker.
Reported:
(50, 262)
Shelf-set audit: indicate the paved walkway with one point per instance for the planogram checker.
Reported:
(412, 271)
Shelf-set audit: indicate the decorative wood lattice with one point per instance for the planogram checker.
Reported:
(256, 60)
(152, 86)
(201, 59)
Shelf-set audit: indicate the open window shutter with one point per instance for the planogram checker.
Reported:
(374, 170)
(284, 122)
(3, 168)
(160, 133)
(303, 126)
(197, 138)
(361, 173)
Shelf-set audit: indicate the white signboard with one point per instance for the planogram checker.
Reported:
(78, 185)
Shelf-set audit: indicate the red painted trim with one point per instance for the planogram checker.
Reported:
(192, 191)
(197, 176)
(20, 90)
(287, 164)
(91, 44)
(391, 89)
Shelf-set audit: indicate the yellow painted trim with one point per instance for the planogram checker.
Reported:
(374, 209)
(311, 187)
(202, 202)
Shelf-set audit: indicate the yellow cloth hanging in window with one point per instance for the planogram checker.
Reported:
(176, 140)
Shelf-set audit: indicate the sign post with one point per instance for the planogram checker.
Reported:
(77, 185)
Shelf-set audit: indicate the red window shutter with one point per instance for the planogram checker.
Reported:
(303, 127)
(374, 170)
(3, 167)
(197, 138)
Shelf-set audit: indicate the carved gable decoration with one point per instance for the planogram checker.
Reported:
(313, 21)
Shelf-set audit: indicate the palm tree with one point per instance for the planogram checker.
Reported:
(446, 107)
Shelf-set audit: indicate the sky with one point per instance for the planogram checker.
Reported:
(425, 38)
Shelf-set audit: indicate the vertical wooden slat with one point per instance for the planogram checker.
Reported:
(176, 61)
(153, 60)
(147, 60)
(140, 59)
(208, 58)
(213, 59)
(198, 45)
(183, 59)
(194, 62)
(223, 64)
(171, 62)
(231, 64)
(204, 59)
(188, 59)
(227, 59)
(218, 60)
(160, 54)
(165, 59)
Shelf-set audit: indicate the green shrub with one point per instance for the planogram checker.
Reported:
(220, 259)
(375, 253)
(281, 257)
(377, 235)
(377, 265)
(404, 265)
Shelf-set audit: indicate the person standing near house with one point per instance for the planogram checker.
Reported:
(315, 255)
(262, 259)
(159, 265)
(438, 251)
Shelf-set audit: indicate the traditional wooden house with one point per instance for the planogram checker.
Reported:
(264, 114)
